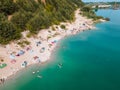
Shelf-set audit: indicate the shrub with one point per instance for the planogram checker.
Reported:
(63, 26)
(107, 19)
(34, 16)
(53, 28)
(23, 43)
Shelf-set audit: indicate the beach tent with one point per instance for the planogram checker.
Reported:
(12, 56)
(42, 49)
(21, 52)
(31, 51)
(28, 48)
(3, 65)
(13, 61)
(36, 59)
(55, 41)
(24, 64)
(38, 43)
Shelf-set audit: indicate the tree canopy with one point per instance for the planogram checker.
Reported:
(33, 16)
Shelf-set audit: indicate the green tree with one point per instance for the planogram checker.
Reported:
(2, 17)
(7, 6)
(20, 19)
(8, 32)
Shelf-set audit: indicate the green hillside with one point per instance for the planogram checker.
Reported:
(34, 15)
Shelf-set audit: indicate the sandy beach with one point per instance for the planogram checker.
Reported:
(15, 58)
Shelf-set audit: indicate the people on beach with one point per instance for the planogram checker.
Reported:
(2, 80)
(40, 48)
(60, 65)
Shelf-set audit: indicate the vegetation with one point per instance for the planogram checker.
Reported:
(8, 32)
(53, 28)
(30, 35)
(34, 16)
(63, 26)
(107, 19)
(87, 11)
(7, 7)
(23, 43)
(96, 8)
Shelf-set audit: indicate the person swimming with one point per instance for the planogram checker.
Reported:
(39, 76)
(33, 72)
(60, 65)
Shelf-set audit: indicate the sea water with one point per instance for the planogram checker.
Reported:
(89, 60)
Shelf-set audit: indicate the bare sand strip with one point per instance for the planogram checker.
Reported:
(41, 46)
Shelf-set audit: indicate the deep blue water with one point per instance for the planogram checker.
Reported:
(91, 61)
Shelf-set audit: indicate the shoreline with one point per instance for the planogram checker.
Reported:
(41, 48)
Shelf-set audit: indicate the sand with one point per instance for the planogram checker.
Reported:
(41, 47)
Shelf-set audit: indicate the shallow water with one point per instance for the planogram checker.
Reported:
(90, 61)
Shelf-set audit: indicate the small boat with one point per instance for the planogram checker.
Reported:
(60, 65)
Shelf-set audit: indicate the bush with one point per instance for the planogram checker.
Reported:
(2, 17)
(53, 28)
(20, 19)
(26, 42)
(29, 35)
(33, 16)
(8, 32)
(89, 13)
(107, 19)
(23, 43)
(63, 26)
(8, 7)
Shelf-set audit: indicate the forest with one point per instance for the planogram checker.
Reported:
(17, 16)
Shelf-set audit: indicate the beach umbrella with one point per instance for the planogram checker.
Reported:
(13, 61)
(35, 57)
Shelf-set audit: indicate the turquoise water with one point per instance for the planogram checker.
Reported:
(91, 61)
